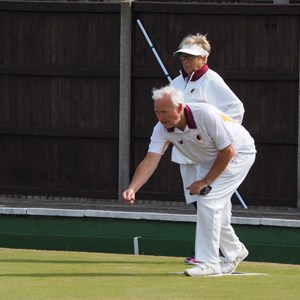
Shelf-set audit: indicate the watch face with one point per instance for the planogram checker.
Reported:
(205, 190)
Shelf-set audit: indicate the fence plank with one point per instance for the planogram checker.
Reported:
(59, 82)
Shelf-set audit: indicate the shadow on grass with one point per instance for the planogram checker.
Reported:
(42, 261)
(72, 275)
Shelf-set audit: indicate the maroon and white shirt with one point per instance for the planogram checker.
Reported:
(208, 130)
(207, 86)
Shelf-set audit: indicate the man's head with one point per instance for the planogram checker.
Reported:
(169, 107)
(193, 52)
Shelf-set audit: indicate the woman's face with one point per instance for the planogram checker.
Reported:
(191, 63)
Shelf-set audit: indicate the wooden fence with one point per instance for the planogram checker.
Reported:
(59, 84)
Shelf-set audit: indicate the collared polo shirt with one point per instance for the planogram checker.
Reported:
(208, 130)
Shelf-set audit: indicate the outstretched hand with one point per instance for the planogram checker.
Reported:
(129, 196)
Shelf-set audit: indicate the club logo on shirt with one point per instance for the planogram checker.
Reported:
(199, 138)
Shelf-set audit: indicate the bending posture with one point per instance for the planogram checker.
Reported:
(224, 150)
(201, 84)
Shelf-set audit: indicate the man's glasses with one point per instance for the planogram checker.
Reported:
(187, 56)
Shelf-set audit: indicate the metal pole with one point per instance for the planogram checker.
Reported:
(153, 50)
(125, 97)
(169, 79)
(241, 199)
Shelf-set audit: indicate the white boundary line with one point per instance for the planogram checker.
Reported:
(140, 216)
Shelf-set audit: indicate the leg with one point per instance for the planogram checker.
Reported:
(229, 242)
(208, 229)
(189, 174)
(213, 229)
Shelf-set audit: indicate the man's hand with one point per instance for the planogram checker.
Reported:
(129, 196)
(223, 158)
(141, 175)
(196, 187)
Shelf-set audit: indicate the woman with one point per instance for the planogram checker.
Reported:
(201, 84)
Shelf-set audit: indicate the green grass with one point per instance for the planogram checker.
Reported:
(30, 274)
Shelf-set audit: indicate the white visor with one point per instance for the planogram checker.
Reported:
(192, 50)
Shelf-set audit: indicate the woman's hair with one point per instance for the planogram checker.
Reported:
(197, 39)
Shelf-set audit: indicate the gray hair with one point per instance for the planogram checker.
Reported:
(176, 95)
(197, 39)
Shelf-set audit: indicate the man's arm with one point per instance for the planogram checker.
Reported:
(141, 175)
(224, 157)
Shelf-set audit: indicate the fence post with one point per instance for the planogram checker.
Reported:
(298, 158)
(125, 97)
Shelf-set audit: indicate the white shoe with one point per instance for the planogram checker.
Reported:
(203, 269)
(229, 267)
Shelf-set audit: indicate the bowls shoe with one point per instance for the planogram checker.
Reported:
(229, 267)
(203, 269)
(191, 261)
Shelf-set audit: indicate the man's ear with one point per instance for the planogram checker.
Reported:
(180, 108)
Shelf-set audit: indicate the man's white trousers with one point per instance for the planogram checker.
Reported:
(213, 228)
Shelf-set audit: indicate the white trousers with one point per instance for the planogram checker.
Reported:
(213, 228)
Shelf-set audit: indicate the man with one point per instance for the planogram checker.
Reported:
(224, 150)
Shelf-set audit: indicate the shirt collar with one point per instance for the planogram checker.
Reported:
(197, 74)
(190, 122)
(189, 117)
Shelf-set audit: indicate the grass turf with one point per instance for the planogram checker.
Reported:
(32, 274)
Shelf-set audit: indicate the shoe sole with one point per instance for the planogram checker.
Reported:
(208, 275)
